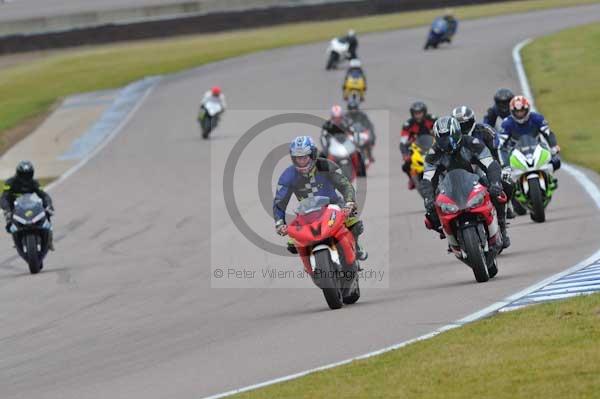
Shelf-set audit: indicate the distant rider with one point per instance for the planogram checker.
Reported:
(354, 71)
(522, 121)
(452, 150)
(336, 125)
(352, 41)
(24, 183)
(355, 114)
(309, 176)
(420, 122)
(214, 94)
(501, 107)
(452, 24)
(488, 136)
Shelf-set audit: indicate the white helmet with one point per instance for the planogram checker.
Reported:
(351, 33)
(355, 63)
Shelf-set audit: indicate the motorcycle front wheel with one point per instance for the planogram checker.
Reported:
(333, 292)
(475, 254)
(32, 255)
(536, 196)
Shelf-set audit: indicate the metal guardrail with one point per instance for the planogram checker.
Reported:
(217, 21)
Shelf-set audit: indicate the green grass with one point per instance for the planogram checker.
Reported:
(546, 351)
(564, 72)
(29, 90)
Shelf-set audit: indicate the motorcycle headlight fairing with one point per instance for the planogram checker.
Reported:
(476, 200)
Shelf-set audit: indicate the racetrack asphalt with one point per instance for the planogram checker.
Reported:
(125, 308)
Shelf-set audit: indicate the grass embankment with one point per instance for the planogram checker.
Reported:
(44, 181)
(29, 90)
(564, 72)
(546, 351)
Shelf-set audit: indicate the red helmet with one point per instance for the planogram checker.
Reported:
(216, 91)
(519, 109)
(337, 113)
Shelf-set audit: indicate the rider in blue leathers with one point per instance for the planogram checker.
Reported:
(309, 176)
(522, 121)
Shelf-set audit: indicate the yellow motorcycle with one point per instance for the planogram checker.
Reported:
(418, 151)
(355, 87)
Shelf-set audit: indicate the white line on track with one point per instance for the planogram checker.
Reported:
(581, 178)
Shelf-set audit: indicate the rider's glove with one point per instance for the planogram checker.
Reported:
(349, 208)
(555, 150)
(495, 189)
(281, 227)
(50, 211)
(555, 161)
(507, 174)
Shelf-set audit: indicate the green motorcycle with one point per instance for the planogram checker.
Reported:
(532, 174)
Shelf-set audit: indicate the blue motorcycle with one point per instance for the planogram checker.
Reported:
(442, 30)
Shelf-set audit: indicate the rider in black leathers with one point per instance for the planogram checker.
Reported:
(487, 135)
(355, 114)
(24, 183)
(450, 151)
(352, 41)
(500, 109)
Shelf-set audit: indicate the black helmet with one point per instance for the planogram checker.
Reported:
(418, 106)
(502, 99)
(466, 118)
(447, 134)
(25, 170)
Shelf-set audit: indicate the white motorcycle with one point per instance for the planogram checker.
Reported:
(209, 116)
(341, 149)
(338, 51)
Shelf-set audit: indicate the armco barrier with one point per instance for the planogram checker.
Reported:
(215, 22)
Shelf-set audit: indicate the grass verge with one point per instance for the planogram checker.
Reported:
(546, 351)
(29, 90)
(564, 72)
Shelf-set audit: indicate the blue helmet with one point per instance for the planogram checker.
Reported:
(303, 146)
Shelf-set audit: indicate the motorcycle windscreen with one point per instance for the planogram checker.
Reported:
(458, 185)
(28, 205)
(527, 144)
(213, 107)
(424, 142)
(338, 147)
(312, 204)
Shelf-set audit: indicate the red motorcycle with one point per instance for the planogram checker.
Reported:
(469, 221)
(327, 249)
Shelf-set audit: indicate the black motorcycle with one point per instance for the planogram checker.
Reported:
(30, 228)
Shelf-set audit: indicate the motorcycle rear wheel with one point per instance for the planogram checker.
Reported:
(352, 298)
